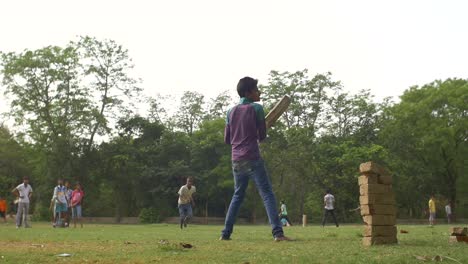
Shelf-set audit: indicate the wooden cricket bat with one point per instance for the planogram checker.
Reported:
(277, 111)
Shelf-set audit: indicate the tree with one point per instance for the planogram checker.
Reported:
(13, 162)
(219, 105)
(428, 134)
(48, 101)
(107, 67)
(308, 96)
(191, 111)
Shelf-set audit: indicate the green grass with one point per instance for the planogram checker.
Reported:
(250, 244)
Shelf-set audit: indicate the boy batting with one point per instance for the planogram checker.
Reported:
(245, 127)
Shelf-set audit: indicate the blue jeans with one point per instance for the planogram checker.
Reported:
(243, 171)
(76, 211)
(185, 210)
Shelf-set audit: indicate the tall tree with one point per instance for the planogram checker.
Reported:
(48, 101)
(107, 66)
(191, 111)
(428, 134)
(219, 105)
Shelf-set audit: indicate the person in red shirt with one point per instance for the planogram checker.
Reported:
(3, 208)
(76, 203)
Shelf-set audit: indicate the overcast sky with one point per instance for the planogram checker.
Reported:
(385, 46)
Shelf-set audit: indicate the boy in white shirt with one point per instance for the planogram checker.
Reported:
(24, 192)
(329, 201)
(186, 202)
(448, 211)
(61, 203)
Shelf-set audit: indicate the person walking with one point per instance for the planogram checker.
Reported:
(185, 202)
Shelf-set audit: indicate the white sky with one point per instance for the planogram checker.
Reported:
(385, 46)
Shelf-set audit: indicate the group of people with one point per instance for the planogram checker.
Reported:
(432, 211)
(65, 203)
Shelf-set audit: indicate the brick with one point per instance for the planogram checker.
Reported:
(374, 198)
(380, 231)
(385, 179)
(371, 167)
(369, 241)
(367, 179)
(366, 189)
(459, 231)
(380, 220)
(454, 239)
(378, 209)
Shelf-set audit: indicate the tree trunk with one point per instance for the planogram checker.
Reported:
(206, 211)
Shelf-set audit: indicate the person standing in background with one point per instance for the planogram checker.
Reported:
(61, 204)
(76, 202)
(24, 192)
(68, 194)
(448, 211)
(329, 202)
(432, 210)
(284, 213)
(3, 208)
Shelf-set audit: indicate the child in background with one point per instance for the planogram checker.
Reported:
(3, 208)
(432, 210)
(68, 194)
(60, 200)
(76, 202)
(448, 211)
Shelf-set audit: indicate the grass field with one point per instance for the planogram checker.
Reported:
(250, 244)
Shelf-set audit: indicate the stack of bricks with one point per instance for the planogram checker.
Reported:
(377, 202)
(458, 234)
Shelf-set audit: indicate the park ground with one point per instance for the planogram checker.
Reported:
(161, 243)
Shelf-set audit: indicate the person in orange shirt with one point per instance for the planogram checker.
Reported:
(3, 208)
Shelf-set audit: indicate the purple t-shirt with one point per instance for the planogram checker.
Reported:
(245, 126)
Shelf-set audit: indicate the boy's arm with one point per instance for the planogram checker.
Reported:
(227, 130)
(227, 134)
(54, 197)
(181, 191)
(15, 192)
(261, 124)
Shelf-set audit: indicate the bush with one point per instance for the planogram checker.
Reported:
(149, 215)
(41, 213)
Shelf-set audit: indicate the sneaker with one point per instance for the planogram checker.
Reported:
(282, 238)
(224, 238)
